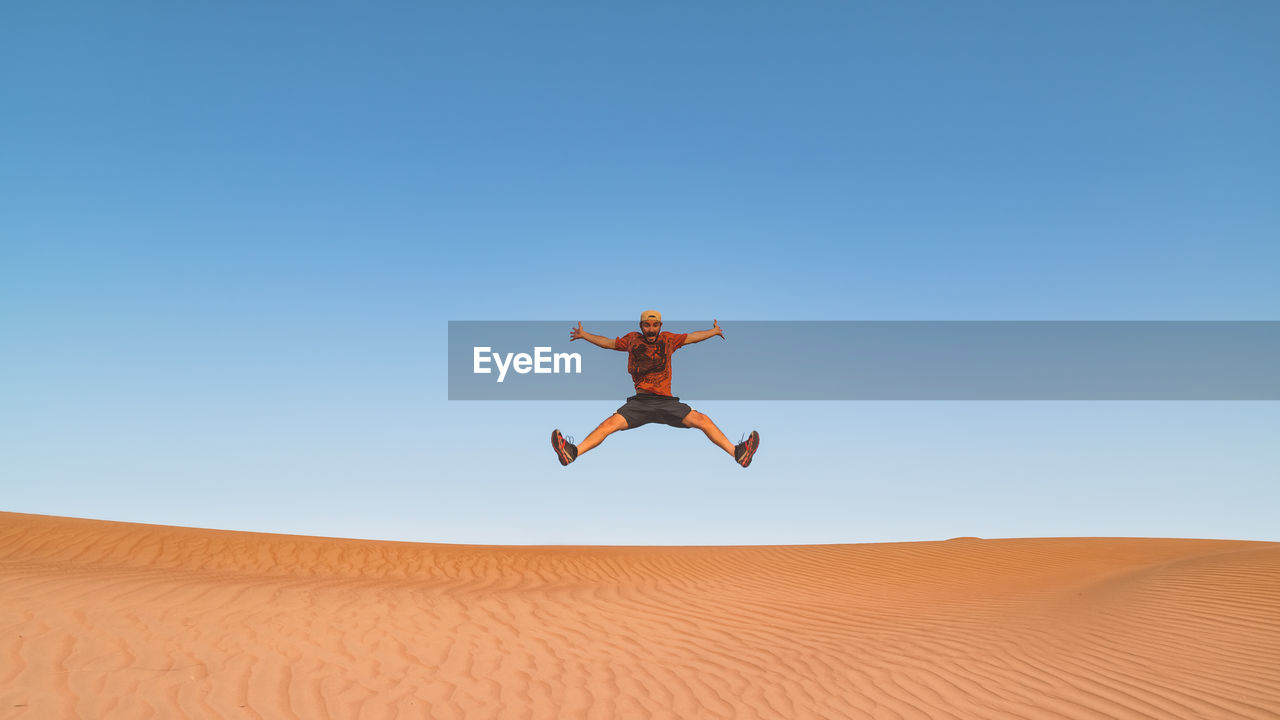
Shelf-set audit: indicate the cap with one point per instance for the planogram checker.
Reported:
(650, 314)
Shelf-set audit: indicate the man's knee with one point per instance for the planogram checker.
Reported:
(694, 419)
(617, 422)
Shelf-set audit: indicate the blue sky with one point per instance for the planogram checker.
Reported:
(231, 238)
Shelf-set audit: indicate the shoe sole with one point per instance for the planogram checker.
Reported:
(753, 444)
(557, 444)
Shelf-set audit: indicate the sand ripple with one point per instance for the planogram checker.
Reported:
(118, 620)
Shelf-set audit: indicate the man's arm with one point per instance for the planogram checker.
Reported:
(701, 335)
(579, 333)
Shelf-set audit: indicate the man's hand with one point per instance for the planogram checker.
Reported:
(599, 340)
(701, 335)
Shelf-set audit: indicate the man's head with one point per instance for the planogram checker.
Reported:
(651, 324)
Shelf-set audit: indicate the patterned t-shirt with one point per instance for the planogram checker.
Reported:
(650, 363)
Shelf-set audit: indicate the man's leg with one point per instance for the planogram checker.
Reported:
(611, 424)
(696, 419)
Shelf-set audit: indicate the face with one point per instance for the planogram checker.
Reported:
(651, 328)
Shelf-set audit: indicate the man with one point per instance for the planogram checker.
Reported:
(649, 363)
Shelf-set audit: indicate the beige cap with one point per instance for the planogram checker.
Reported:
(647, 314)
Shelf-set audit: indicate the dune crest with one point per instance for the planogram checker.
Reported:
(120, 620)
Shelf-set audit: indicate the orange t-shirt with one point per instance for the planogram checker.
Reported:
(650, 362)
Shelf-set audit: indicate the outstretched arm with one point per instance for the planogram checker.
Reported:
(704, 334)
(578, 333)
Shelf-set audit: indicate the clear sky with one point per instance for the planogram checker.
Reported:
(232, 235)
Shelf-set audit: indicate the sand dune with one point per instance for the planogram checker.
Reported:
(114, 620)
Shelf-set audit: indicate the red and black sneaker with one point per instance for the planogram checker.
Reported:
(745, 450)
(567, 452)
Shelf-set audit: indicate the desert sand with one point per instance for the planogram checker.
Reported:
(116, 620)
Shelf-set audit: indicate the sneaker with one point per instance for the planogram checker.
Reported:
(566, 451)
(745, 450)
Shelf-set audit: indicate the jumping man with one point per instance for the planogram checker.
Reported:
(649, 363)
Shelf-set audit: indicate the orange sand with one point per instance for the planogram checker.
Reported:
(114, 620)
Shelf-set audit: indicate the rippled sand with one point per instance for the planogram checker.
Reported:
(114, 620)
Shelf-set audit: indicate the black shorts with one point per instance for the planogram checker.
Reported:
(645, 408)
